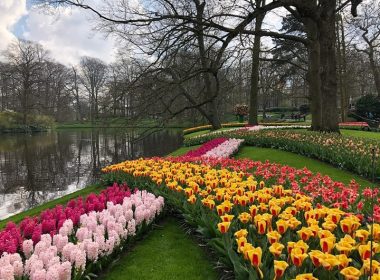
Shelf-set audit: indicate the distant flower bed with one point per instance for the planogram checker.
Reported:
(217, 148)
(274, 223)
(81, 245)
(208, 127)
(349, 153)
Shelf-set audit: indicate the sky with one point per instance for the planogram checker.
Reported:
(67, 35)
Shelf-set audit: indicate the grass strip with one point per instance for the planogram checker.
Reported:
(165, 253)
(298, 161)
(51, 204)
(361, 134)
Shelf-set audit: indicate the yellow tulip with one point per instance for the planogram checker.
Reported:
(349, 225)
(344, 261)
(316, 256)
(327, 244)
(294, 223)
(376, 231)
(224, 226)
(279, 269)
(306, 276)
(275, 210)
(364, 251)
(282, 226)
(324, 234)
(244, 217)
(329, 225)
(245, 249)
(192, 199)
(220, 209)
(273, 236)
(241, 233)
(253, 210)
(241, 243)
(366, 268)
(254, 256)
(362, 235)
(330, 261)
(351, 273)
(261, 226)
(305, 233)
(298, 256)
(276, 249)
(189, 192)
(227, 218)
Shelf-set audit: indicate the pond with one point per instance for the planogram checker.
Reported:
(40, 167)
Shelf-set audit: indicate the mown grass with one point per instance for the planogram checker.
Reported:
(165, 253)
(298, 161)
(51, 204)
(361, 134)
(183, 150)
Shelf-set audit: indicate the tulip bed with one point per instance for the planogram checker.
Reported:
(349, 153)
(217, 148)
(75, 241)
(259, 219)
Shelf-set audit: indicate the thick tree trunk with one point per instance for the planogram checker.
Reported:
(254, 92)
(255, 74)
(327, 36)
(314, 75)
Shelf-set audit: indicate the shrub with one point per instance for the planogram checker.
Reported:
(368, 104)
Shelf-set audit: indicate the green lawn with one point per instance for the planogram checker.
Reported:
(298, 161)
(166, 253)
(361, 133)
(51, 204)
(183, 150)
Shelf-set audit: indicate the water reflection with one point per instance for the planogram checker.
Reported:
(41, 167)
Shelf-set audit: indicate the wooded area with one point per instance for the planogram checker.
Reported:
(195, 60)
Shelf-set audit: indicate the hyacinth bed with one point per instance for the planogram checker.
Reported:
(77, 240)
(266, 221)
(348, 153)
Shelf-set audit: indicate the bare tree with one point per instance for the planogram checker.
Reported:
(93, 76)
(25, 59)
(367, 26)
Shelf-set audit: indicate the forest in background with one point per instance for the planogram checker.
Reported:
(185, 61)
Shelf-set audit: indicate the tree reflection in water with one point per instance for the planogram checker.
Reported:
(41, 167)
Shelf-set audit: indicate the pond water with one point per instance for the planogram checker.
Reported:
(41, 167)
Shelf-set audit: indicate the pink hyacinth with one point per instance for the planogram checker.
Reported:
(27, 247)
(39, 275)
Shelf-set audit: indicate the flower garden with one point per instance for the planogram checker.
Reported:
(262, 220)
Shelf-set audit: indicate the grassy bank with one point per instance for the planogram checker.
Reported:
(166, 253)
(62, 200)
(118, 123)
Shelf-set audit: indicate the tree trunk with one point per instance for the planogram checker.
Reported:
(340, 70)
(327, 38)
(211, 91)
(344, 72)
(314, 75)
(254, 92)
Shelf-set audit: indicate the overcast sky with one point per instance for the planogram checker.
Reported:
(67, 36)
